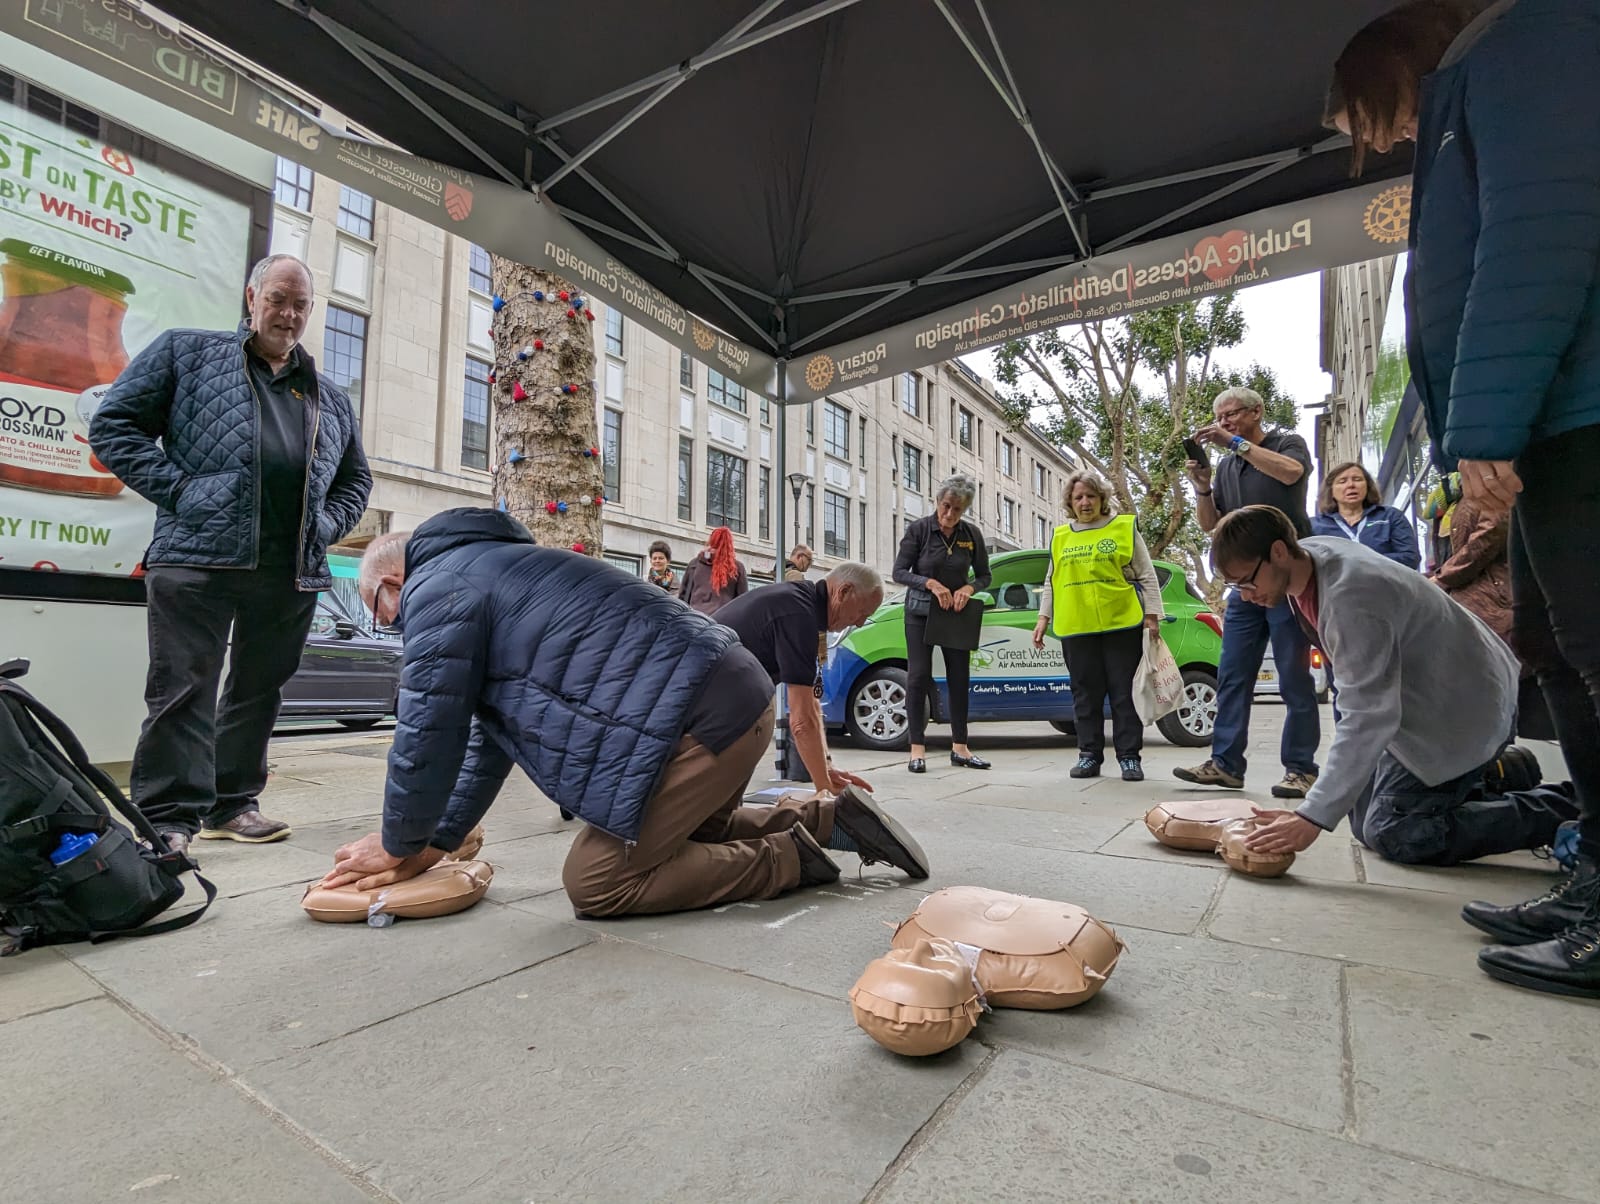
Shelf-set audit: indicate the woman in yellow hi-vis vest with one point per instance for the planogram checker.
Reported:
(1099, 597)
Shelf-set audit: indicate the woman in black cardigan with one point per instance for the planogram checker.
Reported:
(942, 562)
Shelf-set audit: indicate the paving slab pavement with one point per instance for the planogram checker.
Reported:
(1326, 1036)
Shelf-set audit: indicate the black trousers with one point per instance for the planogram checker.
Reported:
(1555, 625)
(1102, 665)
(1403, 819)
(919, 681)
(197, 762)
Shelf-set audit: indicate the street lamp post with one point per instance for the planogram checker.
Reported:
(797, 482)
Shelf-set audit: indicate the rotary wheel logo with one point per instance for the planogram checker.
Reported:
(1388, 215)
(819, 373)
(1106, 546)
(703, 338)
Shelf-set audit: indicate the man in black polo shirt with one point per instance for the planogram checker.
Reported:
(786, 627)
(1265, 468)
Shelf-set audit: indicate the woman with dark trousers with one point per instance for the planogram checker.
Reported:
(1100, 596)
(942, 562)
(1503, 336)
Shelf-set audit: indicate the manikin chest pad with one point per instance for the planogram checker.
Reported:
(1031, 953)
(918, 1000)
(1194, 823)
(453, 885)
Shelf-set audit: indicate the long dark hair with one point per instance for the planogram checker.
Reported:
(1380, 70)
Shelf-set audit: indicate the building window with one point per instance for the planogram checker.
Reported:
(355, 212)
(480, 270)
(766, 412)
(685, 370)
(725, 392)
(724, 490)
(633, 565)
(863, 515)
(1039, 481)
(911, 465)
(611, 454)
(686, 479)
(1008, 457)
(836, 430)
(811, 425)
(861, 447)
(764, 501)
(344, 352)
(964, 427)
(50, 106)
(909, 402)
(475, 417)
(613, 331)
(930, 474)
(1042, 532)
(835, 524)
(1008, 516)
(293, 186)
(811, 514)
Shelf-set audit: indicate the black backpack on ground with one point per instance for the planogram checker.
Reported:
(48, 790)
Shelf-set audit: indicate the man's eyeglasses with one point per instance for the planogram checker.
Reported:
(1248, 584)
(1230, 415)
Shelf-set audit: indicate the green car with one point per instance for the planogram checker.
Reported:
(864, 684)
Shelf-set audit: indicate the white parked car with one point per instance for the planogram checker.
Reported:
(1267, 679)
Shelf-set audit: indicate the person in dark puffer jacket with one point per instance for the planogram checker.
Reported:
(253, 461)
(1503, 334)
(625, 707)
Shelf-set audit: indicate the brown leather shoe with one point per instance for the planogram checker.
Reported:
(250, 827)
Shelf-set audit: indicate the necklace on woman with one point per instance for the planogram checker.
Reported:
(949, 544)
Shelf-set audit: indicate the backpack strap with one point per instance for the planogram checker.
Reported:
(74, 750)
(172, 925)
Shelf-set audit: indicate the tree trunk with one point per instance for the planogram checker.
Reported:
(548, 467)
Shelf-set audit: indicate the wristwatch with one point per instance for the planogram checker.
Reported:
(1240, 445)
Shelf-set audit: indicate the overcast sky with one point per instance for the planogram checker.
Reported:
(1283, 328)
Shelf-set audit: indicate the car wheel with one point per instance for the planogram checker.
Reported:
(876, 715)
(1067, 728)
(359, 725)
(1191, 725)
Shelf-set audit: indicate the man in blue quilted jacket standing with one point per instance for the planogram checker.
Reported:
(637, 714)
(254, 463)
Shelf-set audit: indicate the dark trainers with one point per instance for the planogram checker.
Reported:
(866, 831)
(1294, 785)
(1514, 769)
(1132, 770)
(816, 867)
(174, 841)
(1087, 767)
(1553, 912)
(251, 827)
(1210, 774)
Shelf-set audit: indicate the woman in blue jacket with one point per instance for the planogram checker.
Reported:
(1350, 506)
(1503, 335)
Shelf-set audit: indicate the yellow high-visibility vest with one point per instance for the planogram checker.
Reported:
(1086, 582)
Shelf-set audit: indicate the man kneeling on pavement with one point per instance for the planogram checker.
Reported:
(630, 710)
(1427, 694)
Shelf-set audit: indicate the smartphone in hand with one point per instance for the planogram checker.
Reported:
(1192, 449)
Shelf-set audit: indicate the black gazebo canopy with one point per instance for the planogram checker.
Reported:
(801, 174)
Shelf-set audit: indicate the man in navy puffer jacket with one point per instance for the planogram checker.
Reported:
(1503, 331)
(625, 707)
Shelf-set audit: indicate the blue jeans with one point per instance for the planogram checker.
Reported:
(1246, 629)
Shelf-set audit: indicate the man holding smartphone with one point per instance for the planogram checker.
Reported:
(1266, 468)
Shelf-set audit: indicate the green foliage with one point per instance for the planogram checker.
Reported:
(1389, 380)
(1119, 396)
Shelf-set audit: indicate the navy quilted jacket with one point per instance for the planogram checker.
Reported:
(579, 673)
(191, 390)
(1503, 289)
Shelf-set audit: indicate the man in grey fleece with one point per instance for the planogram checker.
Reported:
(1427, 693)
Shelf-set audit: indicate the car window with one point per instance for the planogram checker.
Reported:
(1163, 575)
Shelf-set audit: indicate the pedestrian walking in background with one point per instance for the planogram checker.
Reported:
(715, 576)
(661, 567)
